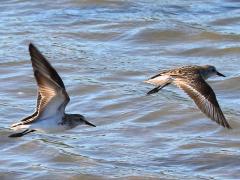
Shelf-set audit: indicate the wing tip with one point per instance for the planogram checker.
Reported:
(31, 46)
(33, 50)
(222, 121)
(225, 124)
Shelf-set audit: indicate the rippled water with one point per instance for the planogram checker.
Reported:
(103, 50)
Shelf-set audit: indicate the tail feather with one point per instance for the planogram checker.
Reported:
(16, 124)
(19, 125)
(159, 80)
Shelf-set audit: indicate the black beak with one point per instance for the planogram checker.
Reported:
(219, 74)
(88, 123)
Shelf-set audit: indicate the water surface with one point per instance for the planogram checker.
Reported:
(103, 50)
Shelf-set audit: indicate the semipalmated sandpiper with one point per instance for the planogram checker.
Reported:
(191, 79)
(52, 99)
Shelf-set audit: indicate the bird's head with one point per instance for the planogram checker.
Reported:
(77, 119)
(209, 71)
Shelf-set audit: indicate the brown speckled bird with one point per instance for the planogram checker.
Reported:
(191, 79)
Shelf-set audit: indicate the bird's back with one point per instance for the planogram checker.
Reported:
(184, 71)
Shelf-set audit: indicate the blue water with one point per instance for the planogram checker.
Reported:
(104, 50)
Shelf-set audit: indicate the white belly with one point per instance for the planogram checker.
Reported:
(50, 125)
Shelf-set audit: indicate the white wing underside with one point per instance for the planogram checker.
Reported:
(52, 108)
(52, 97)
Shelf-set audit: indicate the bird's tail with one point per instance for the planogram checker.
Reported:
(19, 125)
(160, 80)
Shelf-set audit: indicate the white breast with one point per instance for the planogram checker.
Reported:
(49, 125)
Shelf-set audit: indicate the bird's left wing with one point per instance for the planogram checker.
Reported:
(204, 97)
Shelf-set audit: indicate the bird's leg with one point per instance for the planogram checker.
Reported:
(156, 89)
(21, 133)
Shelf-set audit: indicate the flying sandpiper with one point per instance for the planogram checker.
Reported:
(52, 100)
(191, 79)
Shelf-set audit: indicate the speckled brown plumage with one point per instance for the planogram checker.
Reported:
(191, 79)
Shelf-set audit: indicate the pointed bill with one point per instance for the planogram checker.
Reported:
(220, 74)
(88, 123)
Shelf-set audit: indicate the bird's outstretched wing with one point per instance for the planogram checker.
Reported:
(204, 97)
(52, 95)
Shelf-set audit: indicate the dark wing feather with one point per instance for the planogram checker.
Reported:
(40, 63)
(204, 97)
(51, 93)
(36, 111)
